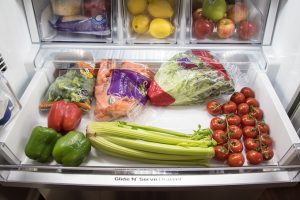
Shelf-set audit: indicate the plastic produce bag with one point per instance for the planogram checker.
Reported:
(121, 89)
(98, 25)
(75, 85)
(188, 78)
(93, 19)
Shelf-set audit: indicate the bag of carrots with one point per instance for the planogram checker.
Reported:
(120, 89)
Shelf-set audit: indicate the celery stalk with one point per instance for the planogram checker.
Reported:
(160, 162)
(161, 148)
(99, 128)
(101, 143)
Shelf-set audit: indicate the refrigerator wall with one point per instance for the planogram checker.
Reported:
(287, 49)
(15, 45)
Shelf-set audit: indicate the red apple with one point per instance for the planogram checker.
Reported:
(225, 28)
(237, 12)
(203, 28)
(247, 30)
(198, 14)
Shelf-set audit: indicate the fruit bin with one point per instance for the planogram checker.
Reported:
(178, 118)
(74, 21)
(245, 22)
(164, 29)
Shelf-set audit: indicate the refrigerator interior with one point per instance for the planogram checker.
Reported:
(249, 59)
(246, 70)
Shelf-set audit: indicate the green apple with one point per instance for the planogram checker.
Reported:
(214, 9)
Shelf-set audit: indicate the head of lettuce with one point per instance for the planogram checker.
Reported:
(188, 78)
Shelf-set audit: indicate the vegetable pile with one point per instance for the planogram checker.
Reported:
(151, 144)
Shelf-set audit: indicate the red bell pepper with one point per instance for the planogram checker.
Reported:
(64, 116)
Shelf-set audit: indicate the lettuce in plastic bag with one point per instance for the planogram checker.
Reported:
(189, 78)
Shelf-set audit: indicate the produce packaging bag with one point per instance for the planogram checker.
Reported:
(75, 85)
(121, 89)
(188, 78)
(93, 17)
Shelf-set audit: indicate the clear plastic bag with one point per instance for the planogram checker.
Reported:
(188, 78)
(75, 85)
(121, 89)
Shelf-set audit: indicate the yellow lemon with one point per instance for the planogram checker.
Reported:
(136, 7)
(140, 24)
(161, 28)
(160, 9)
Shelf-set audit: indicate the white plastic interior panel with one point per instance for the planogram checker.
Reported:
(287, 48)
(15, 44)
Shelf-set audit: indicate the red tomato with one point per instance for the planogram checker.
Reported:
(236, 160)
(214, 108)
(248, 92)
(235, 132)
(220, 136)
(250, 132)
(217, 123)
(235, 146)
(229, 107)
(233, 119)
(252, 102)
(254, 157)
(243, 109)
(251, 144)
(248, 120)
(267, 153)
(238, 98)
(221, 153)
(263, 127)
(257, 113)
(265, 139)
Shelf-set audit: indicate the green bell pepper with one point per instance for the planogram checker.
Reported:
(71, 149)
(41, 143)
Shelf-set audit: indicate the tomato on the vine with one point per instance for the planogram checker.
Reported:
(265, 139)
(267, 153)
(217, 123)
(263, 127)
(235, 132)
(251, 144)
(254, 157)
(214, 108)
(243, 109)
(248, 92)
(252, 102)
(229, 107)
(250, 132)
(248, 120)
(235, 146)
(236, 160)
(220, 136)
(257, 113)
(221, 153)
(233, 119)
(238, 98)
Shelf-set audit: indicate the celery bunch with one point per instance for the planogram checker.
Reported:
(151, 144)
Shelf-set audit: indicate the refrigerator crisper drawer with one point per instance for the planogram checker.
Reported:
(247, 72)
(151, 22)
(72, 20)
